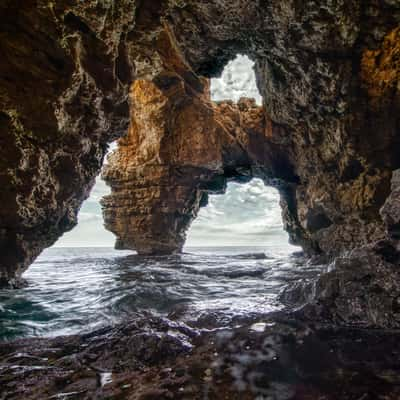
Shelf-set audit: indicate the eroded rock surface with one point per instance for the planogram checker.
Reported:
(155, 358)
(330, 88)
(362, 287)
(64, 80)
(75, 75)
(327, 137)
(180, 147)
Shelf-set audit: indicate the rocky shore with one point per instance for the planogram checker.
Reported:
(76, 75)
(281, 356)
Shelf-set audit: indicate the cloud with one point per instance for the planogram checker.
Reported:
(247, 214)
(237, 80)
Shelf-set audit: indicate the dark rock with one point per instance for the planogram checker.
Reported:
(57, 79)
(361, 289)
(287, 360)
(391, 209)
(327, 73)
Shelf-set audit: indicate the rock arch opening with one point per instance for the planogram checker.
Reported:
(237, 80)
(247, 215)
(90, 231)
(188, 137)
(327, 138)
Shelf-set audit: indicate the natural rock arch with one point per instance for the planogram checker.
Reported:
(170, 161)
(327, 72)
(181, 147)
(248, 215)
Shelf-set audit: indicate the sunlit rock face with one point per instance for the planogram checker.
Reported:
(328, 73)
(180, 147)
(317, 79)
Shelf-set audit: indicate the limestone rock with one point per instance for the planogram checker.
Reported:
(64, 80)
(180, 147)
(327, 135)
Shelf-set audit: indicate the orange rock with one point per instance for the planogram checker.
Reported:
(180, 147)
(381, 68)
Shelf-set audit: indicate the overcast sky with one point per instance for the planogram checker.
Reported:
(247, 214)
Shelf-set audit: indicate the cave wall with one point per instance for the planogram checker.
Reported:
(65, 75)
(328, 73)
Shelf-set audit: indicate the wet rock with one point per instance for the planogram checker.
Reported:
(288, 359)
(361, 289)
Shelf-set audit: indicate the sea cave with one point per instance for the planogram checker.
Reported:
(317, 127)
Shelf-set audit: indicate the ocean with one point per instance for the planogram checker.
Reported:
(74, 290)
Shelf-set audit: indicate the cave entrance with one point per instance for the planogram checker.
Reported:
(90, 231)
(247, 215)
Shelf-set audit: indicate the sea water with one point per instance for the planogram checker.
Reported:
(73, 290)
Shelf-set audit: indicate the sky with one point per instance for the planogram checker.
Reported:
(247, 214)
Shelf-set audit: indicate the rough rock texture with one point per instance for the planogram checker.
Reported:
(328, 73)
(329, 76)
(180, 147)
(64, 80)
(153, 358)
(362, 287)
(330, 135)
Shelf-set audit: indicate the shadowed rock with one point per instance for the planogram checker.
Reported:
(155, 358)
(327, 135)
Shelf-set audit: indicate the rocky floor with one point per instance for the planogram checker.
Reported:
(278, 357)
